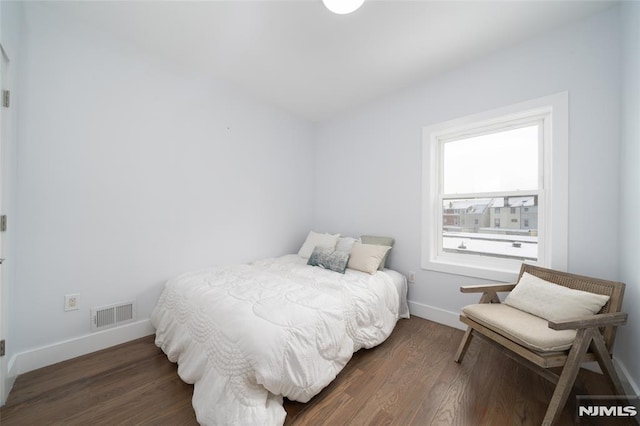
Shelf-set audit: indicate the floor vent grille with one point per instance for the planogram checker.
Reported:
(112, 315)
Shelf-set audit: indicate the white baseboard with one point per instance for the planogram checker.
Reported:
(629, 385)
(450, 319)
(438, 315)
(44, 356)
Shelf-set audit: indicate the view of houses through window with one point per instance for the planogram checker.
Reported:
(499, 226)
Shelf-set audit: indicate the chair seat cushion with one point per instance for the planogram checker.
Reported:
(523, 328)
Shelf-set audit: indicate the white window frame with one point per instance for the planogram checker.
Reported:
(552, 192)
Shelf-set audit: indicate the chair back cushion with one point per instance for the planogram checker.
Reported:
(552, 301)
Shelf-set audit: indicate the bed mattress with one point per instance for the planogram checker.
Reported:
(248, 335)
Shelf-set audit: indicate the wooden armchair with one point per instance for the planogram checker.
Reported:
(593, 341)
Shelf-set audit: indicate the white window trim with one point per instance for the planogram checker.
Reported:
(555, 155)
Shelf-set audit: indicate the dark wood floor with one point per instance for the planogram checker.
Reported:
(410, 379)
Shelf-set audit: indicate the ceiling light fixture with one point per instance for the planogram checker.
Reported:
(342, 7)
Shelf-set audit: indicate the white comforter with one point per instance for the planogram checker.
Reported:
(247, 335)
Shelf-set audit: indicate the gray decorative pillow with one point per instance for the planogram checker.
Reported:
(379, 241)
(329, 259)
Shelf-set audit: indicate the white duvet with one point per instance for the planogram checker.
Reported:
(247, 335)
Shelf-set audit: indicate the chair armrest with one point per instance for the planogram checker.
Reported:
(486, 288)
(599, 320)
(489, 291)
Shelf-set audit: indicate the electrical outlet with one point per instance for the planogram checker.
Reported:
(412, 277)
(72, 302)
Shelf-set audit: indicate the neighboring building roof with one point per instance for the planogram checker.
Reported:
(480, 205)
(514, 202)
(475, 205)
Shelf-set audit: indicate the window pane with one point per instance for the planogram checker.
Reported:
(501, 161)
(481, 226)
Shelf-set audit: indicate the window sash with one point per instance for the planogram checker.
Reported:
(502, 124)
(541, 120)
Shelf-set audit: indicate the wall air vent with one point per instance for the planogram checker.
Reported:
(112, 315)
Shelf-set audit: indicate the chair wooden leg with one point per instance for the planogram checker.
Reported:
(489, 297)
(568, 376)
(464, 345)
(604, 360)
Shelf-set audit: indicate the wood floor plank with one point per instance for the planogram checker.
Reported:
(440, 374)
(411, 379)
(49, 378)
(427, 362)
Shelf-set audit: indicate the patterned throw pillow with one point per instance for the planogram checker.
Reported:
(328, 259)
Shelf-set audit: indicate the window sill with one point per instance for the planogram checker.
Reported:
(503, 273)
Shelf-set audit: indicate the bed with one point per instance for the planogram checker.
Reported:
(248, 335)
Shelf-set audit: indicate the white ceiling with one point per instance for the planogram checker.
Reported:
(301, 57)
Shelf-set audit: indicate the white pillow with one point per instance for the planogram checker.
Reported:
(366, 257)
(552, 301)
(314, 240)
(345, 244)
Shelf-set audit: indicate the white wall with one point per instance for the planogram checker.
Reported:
(130, 173)
(368, 171)
(628, 340)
